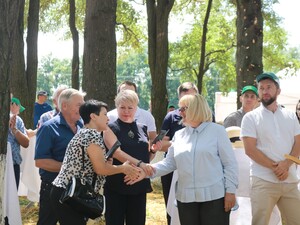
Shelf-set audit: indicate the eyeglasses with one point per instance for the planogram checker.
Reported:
(183, 109)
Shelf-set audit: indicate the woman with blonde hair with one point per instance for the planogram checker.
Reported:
(207, 169)
(127, 204)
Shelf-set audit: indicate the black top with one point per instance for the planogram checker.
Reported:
(134, 141)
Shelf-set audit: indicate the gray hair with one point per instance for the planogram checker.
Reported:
(67, 94)
(58, 90)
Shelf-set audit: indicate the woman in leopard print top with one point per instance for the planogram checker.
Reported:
(94, 115)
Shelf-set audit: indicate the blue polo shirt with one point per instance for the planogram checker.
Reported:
(52, 140)
(39, 109)
(172, 123)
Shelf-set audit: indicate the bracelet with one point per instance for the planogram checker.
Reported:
(139, 163)
(151, 150)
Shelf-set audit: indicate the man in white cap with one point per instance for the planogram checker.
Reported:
(269, 132)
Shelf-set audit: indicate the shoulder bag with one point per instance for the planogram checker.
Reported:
(80, 195)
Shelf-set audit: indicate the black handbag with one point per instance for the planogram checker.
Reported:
(82, 198)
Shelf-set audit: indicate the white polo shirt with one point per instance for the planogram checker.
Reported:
(275, 134)
(142, 116)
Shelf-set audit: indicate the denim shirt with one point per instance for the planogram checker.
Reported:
(15, 146)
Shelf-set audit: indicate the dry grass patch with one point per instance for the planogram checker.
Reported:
(156, 212)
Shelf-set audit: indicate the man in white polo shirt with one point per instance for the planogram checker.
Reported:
(141, 115)
(269, 132)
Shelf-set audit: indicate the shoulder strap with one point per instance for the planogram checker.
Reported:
(95, 175)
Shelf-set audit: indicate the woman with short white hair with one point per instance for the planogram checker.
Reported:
(127, 204)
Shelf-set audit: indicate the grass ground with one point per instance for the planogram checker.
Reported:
(156, 213)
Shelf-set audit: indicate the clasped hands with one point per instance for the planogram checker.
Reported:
(144, 170)
(281, 169)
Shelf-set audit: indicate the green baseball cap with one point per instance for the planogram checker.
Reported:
(250, 88)
(17, 102)
(268, 75)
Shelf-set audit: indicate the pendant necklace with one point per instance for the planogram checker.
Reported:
(130, 134)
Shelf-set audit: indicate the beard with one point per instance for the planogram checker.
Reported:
(268, 102)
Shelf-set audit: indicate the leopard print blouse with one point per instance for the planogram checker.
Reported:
(72, 163)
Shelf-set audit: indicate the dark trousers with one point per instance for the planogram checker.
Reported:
(17, 174)
(47, 215)
(125, 208)
(203, 213)
(65, 214)
(166, 185)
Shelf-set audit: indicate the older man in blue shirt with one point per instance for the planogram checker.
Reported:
(52, 140)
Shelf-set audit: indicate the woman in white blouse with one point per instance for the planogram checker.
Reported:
(207, 169)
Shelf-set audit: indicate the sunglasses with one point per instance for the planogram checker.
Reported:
(183, 109)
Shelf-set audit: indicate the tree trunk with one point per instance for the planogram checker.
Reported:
(202, 67)
(75, 58)
(8, 23)
(249, 43)
(99, 57)
(17, 84)
(32, 61)
(158, 53)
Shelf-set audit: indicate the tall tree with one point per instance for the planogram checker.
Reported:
(203, 67)
(158, 54)
(249, 25)
(99, 55)
(75, 38)
(18, 71)
(23, 82)
(32, 61)
(201, 48)
(8, 23)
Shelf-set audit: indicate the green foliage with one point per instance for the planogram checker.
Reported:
(53, 72)
(185, 53)
(276, 55)
(130, 25)
(133, 66)
(220, 45)
(54, 16)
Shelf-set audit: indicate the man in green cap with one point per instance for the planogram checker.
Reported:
(270, 132)
(249, 100)
(17, 135)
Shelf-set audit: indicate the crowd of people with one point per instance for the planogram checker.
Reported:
(195, 146)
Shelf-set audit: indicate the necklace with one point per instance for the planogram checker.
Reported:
(130, 134)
